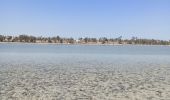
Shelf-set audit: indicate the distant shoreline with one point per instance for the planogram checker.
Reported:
(81, 41)
(88, 44)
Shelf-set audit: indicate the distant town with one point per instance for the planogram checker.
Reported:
(86, 40)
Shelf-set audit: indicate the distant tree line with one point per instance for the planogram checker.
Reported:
(86, 40)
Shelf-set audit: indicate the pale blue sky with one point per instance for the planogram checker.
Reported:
(81, 18)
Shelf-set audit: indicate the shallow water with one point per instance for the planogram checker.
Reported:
(52, 53)
(50, 71)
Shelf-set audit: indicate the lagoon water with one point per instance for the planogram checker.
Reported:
(50, 71)
(75, 54)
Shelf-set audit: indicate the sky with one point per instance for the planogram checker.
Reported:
(86, 18)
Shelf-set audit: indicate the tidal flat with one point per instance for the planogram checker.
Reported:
(48, 72)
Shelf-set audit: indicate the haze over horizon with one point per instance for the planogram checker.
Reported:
(86, 18)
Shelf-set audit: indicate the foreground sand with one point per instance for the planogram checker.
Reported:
(57, 83)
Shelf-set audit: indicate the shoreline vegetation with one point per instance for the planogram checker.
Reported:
(81, 41)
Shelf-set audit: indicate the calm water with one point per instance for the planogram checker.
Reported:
(84, 56)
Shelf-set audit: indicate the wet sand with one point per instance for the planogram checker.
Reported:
(23, 82)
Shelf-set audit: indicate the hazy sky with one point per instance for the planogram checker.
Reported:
(81, 18)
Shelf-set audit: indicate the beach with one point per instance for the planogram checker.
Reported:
(85, 50)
